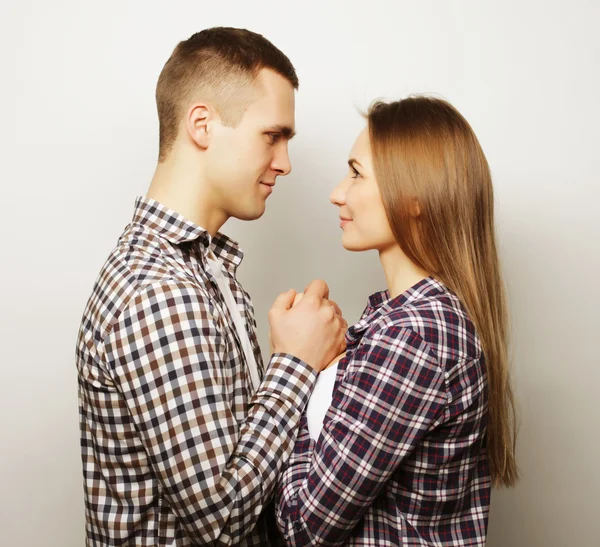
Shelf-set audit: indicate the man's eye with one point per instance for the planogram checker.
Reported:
(273, 137)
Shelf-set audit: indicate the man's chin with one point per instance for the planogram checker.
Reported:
(250, 215)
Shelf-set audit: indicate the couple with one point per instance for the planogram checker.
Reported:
(187, 440)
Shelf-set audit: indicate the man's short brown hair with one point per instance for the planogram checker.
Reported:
(218, 65)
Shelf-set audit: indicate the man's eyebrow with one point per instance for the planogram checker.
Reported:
(284, 130)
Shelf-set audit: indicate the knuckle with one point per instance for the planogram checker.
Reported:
(311, 299)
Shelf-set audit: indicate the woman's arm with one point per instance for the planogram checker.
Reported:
(393, 390)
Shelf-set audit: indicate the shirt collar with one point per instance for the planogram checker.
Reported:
(177, 229)
(381, 304)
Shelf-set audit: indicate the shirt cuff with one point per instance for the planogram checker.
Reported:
(288, 378)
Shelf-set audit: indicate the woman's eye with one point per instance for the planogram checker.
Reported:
(356, 174)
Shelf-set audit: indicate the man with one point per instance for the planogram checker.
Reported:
(182, 434)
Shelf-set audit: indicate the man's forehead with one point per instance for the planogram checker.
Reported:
(274, 87)
(274, 107)
(277, 118)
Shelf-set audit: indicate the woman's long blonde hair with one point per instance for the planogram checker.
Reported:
(425, 154)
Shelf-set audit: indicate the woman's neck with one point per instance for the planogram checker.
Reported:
(400, 273)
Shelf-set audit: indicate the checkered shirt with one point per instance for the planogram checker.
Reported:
(401, 459)
(176, 449)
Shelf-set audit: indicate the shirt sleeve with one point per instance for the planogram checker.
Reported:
(392, 392)
(216, 473)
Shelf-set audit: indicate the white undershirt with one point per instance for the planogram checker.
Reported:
(217, 270)
(320, 401)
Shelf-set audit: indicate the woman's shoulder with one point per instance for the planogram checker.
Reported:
(439, 321)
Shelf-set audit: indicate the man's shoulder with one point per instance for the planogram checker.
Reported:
(140, 262)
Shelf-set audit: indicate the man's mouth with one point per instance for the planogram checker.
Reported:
(269, 187)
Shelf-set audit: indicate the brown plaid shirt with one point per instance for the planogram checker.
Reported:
(176, 451)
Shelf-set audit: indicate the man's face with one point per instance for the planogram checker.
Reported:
(244, 162)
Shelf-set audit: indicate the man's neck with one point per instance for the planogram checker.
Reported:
(178, 188)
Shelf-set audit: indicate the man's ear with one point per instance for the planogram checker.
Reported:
(199, 121)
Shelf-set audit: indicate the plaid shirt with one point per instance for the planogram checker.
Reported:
(175, 452)
(401, 459)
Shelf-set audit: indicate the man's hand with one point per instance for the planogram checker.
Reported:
(297, 299)
(335, 360)
(312, 329)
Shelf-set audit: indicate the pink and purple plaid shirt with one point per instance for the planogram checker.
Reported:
(401, 459)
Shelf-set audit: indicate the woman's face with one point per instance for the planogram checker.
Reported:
(362, 217)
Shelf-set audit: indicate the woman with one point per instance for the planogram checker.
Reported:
(420, 422)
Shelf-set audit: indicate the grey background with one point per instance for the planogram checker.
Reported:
(78, 142)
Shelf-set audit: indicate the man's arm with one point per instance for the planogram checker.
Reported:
(217, 474)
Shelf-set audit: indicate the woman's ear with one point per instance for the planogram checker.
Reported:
(415, 208)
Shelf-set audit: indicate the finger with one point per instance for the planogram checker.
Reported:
(328, 311)
(285, 300)
(336, 308)
(317, 287)
(297, 298)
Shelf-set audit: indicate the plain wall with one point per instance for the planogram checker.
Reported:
(79, 140)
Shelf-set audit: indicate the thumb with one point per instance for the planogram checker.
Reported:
(285, 300)
(318, 287)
